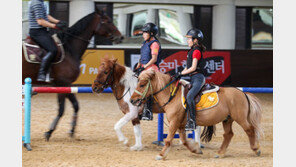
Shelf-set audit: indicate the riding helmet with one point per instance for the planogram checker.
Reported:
(195, 33)
(150, 28)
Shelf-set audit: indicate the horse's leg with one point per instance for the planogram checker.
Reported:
(132, 114)
(75, 105)
(249, 129)
(173, 126)
(117, 127)
(228, 134)
(191, 145)
(138, 135)
(61, 101)
(197, 132)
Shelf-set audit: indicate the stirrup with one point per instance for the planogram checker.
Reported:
(147, 115)
(190, 125)
(41, 77)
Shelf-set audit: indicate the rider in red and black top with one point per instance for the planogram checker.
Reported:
(194, 68)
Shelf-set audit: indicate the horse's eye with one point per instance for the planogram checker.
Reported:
(106, 72)
(142, 86)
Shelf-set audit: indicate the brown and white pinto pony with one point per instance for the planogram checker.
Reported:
(122, 81)
(123, 84)
(234, 105)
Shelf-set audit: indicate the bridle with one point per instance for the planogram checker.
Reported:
(109, 81)
(149, 85)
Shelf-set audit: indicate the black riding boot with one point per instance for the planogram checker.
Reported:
(44, 66)
(147, 112)
(191, 121)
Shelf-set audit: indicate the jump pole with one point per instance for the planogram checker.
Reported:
(27, 92)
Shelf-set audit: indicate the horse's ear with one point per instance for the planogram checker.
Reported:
(99, 12)
(114, 60)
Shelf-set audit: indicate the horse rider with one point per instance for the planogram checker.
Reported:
(194, 68)
(150, 58)
(38, 21)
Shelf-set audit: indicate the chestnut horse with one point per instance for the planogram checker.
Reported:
(75, 41)
(234, 105)
(123, 83)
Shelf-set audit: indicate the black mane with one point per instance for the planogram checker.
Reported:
(77, 28)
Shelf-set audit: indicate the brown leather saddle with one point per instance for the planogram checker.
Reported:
(205, 88)
(34, 54)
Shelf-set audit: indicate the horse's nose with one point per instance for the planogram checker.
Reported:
(95, 89)
(132, 101)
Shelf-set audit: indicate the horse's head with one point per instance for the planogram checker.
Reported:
(105, 75)
(107, 29)
(144, 87)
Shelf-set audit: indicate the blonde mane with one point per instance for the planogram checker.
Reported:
(158, 79)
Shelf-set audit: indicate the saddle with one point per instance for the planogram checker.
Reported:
(206, 98)
(206, 88)
(34, 54)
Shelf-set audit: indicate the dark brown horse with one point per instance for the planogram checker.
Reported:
(75, 41)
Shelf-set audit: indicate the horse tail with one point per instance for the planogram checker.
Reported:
(207, 133)
(255, 114)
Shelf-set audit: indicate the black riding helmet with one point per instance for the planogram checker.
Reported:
(151, 28)
(195, 33)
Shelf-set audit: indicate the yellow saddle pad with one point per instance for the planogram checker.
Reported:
(207, 101)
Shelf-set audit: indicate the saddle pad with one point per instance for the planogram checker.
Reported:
(33, 53)
(207, 100)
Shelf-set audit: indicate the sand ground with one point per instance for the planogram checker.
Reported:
(96, 144)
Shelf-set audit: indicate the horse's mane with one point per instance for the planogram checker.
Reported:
(108, 62)
(77, 28)
(159, 78)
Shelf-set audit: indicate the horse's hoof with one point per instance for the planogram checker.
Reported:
(199, 152)
(47, 135)
(136, 148)
(202, 146)
(158, 157)
(258, 152)
(125, 142)
(219, 156)
(71, 134)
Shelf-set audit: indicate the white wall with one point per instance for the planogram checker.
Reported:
(79, 9)
(223, 34)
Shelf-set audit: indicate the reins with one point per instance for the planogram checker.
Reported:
(172, 92)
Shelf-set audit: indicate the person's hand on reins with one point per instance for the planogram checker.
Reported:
(61, 25)
(138, 71)
(141, 69)
(178, 75)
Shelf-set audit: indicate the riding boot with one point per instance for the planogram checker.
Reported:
(191, 122)
(44, 66)
(147, 112)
